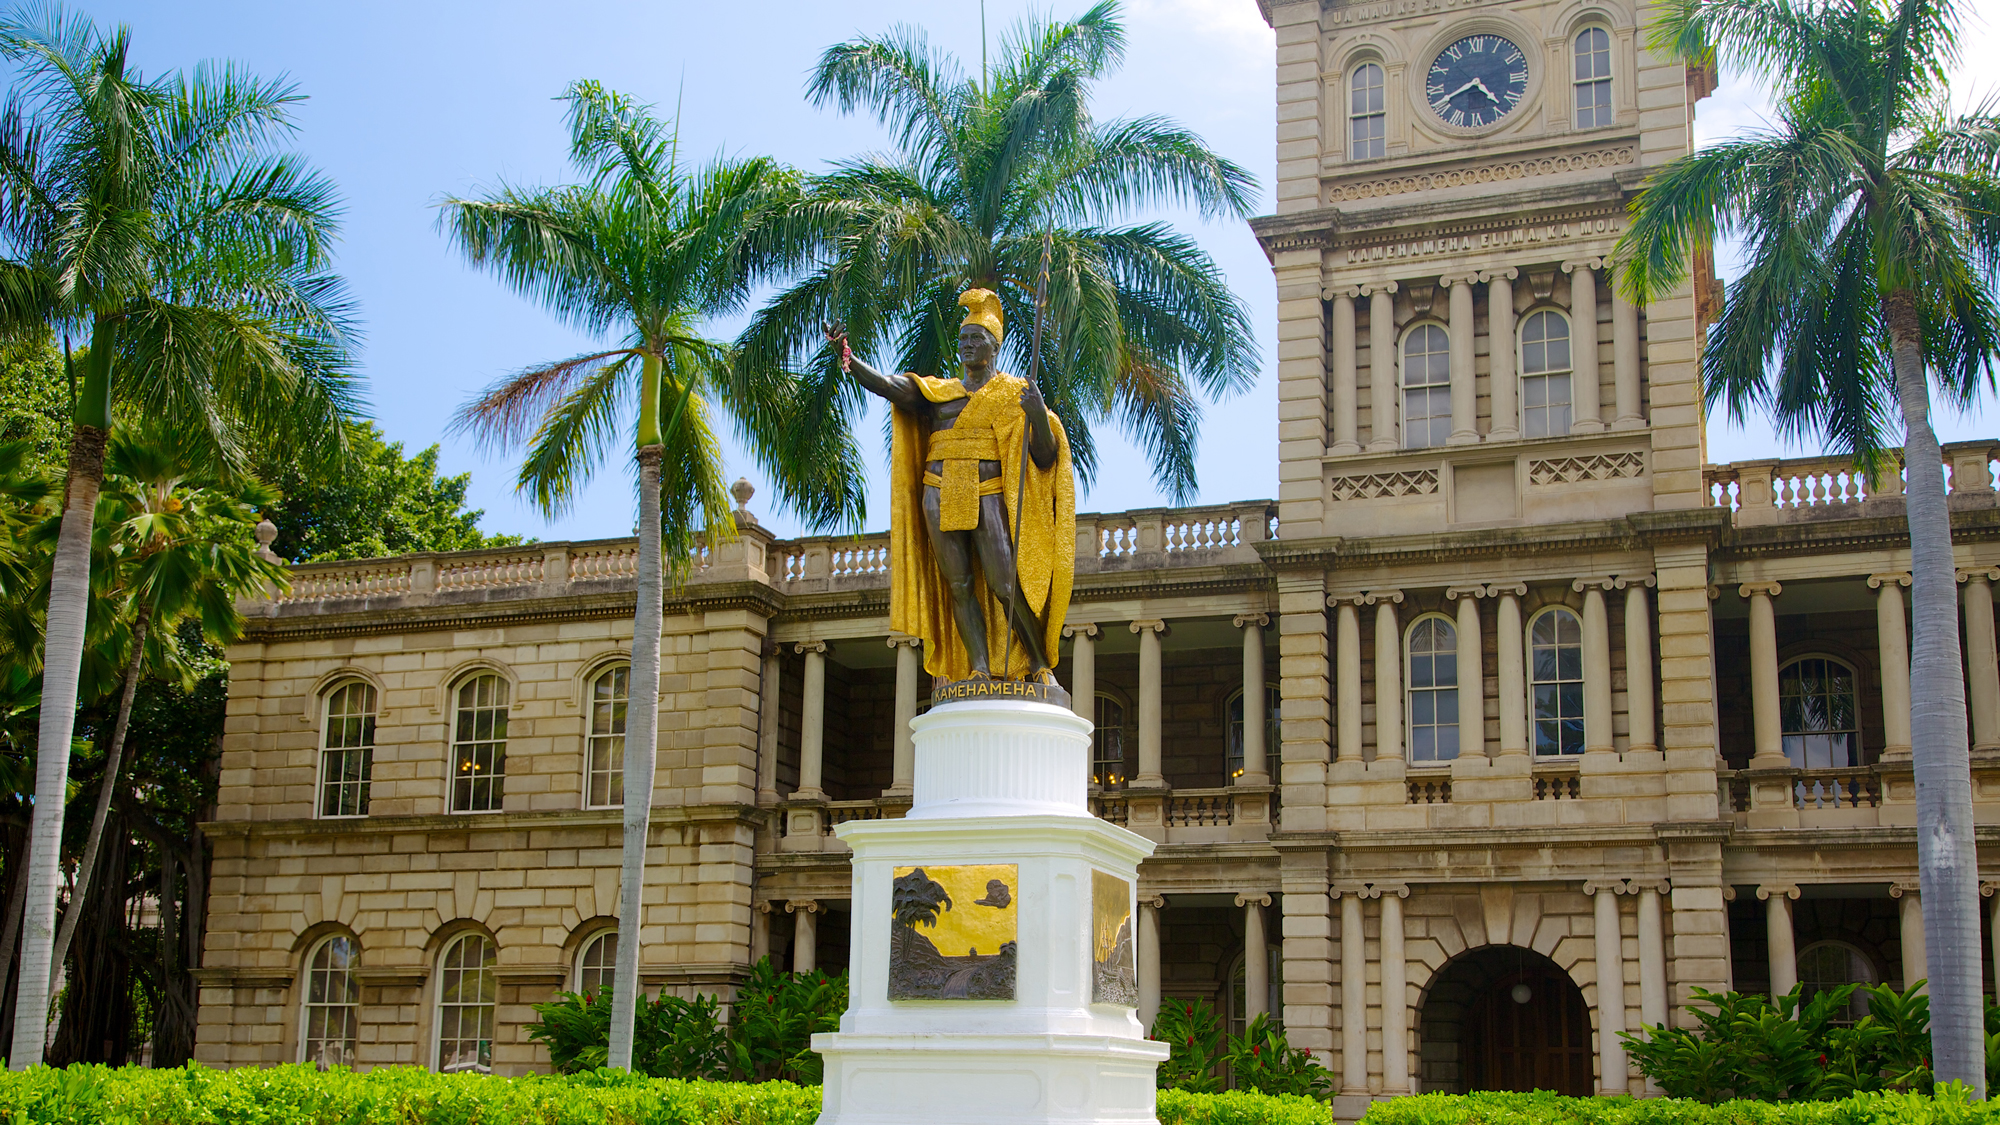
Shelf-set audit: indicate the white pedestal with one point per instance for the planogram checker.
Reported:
(997, 782)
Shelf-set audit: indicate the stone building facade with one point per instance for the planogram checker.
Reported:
(1506, 725)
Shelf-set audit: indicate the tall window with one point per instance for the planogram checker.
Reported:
(1274, 1000)
(597, 962)
(1433, 690)
(1271, 705)
(332, 1004)
(1367, 122)
(1545, 371)
(1426, 387)
(1555, 661)
(1593, 78)
(347, 754)
(1816, 706)
(608, 696)
(466, 994)
(1107, 744)
(1831, 964)
(479, 745)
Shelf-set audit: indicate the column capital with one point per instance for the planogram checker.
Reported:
(1348, 291)
(1575, 264)
(1605, 582)
(1333, 600)
(809, 646)
(1365, 597)
(765, 907)
(1911, 888)
(1451, 279)
(1621, 581)
(1370, 288)
(1987, 888)
(1259, 619)
(1767, 891)
(801, 906)
(1990, 573)
(1615, 886)
(1503, 588)
(898, 640)
(1082, 629)
(1900, 578)
(1156, 901)
(1661, 886)
(1377, 890)
(1509, 274)
(1767, 589)
(1149, 626)
(1475, 592)
(1259, 899)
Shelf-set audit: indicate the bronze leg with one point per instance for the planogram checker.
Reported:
(954, 557)
(996, 558)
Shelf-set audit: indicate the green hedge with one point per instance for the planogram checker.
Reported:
(1552, 1109)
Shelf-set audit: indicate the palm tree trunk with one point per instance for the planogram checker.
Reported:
(641, 720)
(1947, 866)
(141, 624)
(62, 662)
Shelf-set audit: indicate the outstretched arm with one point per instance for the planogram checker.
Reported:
(899, 389)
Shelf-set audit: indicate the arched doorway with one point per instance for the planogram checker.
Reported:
(1504, 1018)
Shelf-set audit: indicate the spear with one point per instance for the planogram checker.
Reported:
(1021, 483)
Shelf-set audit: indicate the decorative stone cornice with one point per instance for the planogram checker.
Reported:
(1522, 167)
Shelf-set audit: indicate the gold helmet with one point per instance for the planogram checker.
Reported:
(982, 307)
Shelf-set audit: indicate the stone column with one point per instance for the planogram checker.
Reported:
(1780, 940)
(1347, 677)
(1500, 354)
(1915, 960)
(1464, 393)
(1256, 957)
(1624, 355)
(1256, 763)
(1149, 776)
(1764, 718)
(1149, 958)
(1652, 963)
(1388, 676)
(769, 698)
(1982, 662)
(1383, 433)
(1586, 416)
(812, 723)
(909, 663)
(1597, 738)
(1987, 889)
(1395, 992)
(1610, 953)
(1639, 673)
(1353, 997)
(1513, 670)
(1083, 670)
(1471, 672)
(1892, 637)
(805, 934)
(1346, 413)
(760, 931)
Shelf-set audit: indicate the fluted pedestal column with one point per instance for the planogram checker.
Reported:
(1781, 941)
(1892, 638)
(1256, 957)
(1765, 722)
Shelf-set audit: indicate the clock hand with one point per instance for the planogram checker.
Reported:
(1482, 89)
(1464, 88)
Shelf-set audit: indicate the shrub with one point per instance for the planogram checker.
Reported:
(1190, 1028)
(1240, 1107)
(1261, 1060)
(1950, 1107)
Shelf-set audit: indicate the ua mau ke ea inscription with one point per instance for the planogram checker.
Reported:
(942, 916)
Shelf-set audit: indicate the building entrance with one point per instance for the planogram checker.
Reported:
(1505, 1018)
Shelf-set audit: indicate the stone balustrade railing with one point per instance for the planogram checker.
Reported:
(1812, 488)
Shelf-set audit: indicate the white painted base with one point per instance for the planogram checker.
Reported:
(997, 781)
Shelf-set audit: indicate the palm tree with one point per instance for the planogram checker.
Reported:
(983, 170)
(646, 249)
(157, 218)
(1871, 215)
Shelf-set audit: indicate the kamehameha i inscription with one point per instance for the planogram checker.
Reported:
(922, 899)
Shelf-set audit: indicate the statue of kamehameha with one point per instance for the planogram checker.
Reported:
(987, 465)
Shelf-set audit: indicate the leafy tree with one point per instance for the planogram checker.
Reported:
(1138, 316)
(156, 219)
(34, 397)
(1871, 214)
(647, 249)
(382, 504)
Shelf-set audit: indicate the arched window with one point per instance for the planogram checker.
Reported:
(1816, 706)
(466, 995)
(1830, 964)
(1107, 744)
(479, 745)
(1545, 371)
(609, 692)
(1271, 705)
(1274, 1000)
(1426, 387)
(1593, 78)
(347, 750)
(332, 1004)
(596, 964)
(1366, 118)
(1555, 668)
(1433, 688)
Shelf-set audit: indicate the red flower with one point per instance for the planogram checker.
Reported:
(1255, 1051)
(1190, 1040)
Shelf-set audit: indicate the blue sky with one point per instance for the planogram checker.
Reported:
(410, 102)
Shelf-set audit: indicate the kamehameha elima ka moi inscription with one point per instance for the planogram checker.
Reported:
(1114, 976)
(953, 933)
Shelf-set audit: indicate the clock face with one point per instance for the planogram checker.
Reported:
(1476, 81)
